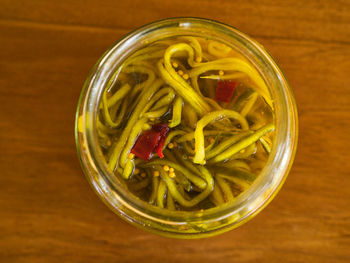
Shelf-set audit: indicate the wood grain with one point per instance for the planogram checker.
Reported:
(48, 213)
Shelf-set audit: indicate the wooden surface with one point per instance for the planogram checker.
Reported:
(49, 213)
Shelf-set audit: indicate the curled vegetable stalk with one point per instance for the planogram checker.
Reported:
(157, 113)
(240, 164)
(171, 135)
(248, 106)
(216, 195)
(194, 201)
(162, 92)
(241, 183)
(161, 194)
(170, 202)
(177, 110)
(212, 116)
(243, 143)
(107, 103)
(155, 185)
(195, 179)
(225, 144)
(226, 190)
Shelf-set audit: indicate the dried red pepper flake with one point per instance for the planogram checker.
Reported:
(224, 90)
(151, 141)
(164, 129)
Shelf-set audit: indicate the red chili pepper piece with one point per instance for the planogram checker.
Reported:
(224, 90)
(159, 127)
(145, 144)
(164, 131)
(151, 141)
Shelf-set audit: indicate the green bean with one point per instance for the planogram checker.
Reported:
(226, 190)
(182, 191)
(177, 109)
(180, 178)
(237, 164)
(114, 158)
(107, 104)
(189, 115)
(265, 145)
(248, 106)
(189, 165)
(241, 183)
(216, 195)
(241, 100)
(129, 167)
(140, 185)
(165, 101)
(183, 181)
(188, 149)
(137, 129)
(194, 201)
(213, 103)
(162, 92)
(243, 143)
(101, 127)
(241, 174)
(171, 135)
(246, 152)
(120, 94)
(155, 184)
(121, 113)
(170, 202)
(211, 145)
(194, 81)
(225, 144)
(212, 116)
(196, 180)
(190, 136)
(161, 194)
(169, 154)
(195, 45)
(157, 113)
(115, 108)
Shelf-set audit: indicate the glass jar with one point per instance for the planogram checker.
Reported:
(184, 224)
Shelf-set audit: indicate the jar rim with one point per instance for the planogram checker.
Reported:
(138, 212)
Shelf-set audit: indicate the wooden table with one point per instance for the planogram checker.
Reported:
(49, 213)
